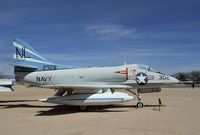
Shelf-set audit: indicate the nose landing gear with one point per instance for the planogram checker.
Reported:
(137, 94)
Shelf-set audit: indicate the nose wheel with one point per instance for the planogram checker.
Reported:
(140, 105)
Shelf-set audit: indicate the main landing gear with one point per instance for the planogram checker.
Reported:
(83, 108)
(137, 94)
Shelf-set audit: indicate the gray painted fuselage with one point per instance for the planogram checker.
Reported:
(98, 76)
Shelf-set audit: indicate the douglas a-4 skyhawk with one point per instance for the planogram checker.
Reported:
(85, 86)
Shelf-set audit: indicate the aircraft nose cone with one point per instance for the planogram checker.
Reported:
(174, 80)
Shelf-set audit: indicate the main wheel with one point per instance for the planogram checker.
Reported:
(83, 108)
(140, 105)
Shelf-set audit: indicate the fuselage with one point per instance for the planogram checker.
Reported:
(131, 75)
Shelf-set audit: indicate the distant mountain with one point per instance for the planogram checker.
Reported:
(178, 74)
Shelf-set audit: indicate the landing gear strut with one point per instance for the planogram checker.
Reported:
(137, 94)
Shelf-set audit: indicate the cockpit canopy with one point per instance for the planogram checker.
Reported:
(146, 67)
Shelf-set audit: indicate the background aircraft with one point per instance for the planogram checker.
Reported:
(85, 86)
(6, 85)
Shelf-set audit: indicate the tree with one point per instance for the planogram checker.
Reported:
(183, 77)
(195, 76)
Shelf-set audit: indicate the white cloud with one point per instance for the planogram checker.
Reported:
(111, 31)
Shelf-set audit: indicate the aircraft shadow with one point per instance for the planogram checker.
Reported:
(20, 104)
(64, 109)
(11, 101)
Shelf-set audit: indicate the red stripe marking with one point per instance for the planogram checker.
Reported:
(122, 71)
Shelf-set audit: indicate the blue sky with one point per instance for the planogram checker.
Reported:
(163, 34)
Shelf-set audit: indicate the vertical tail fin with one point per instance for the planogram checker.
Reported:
(26, 54)
(27, 60)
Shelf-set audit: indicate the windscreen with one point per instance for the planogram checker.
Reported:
(146, 67)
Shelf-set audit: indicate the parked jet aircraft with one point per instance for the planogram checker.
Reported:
(85, 86)
(6, 85)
